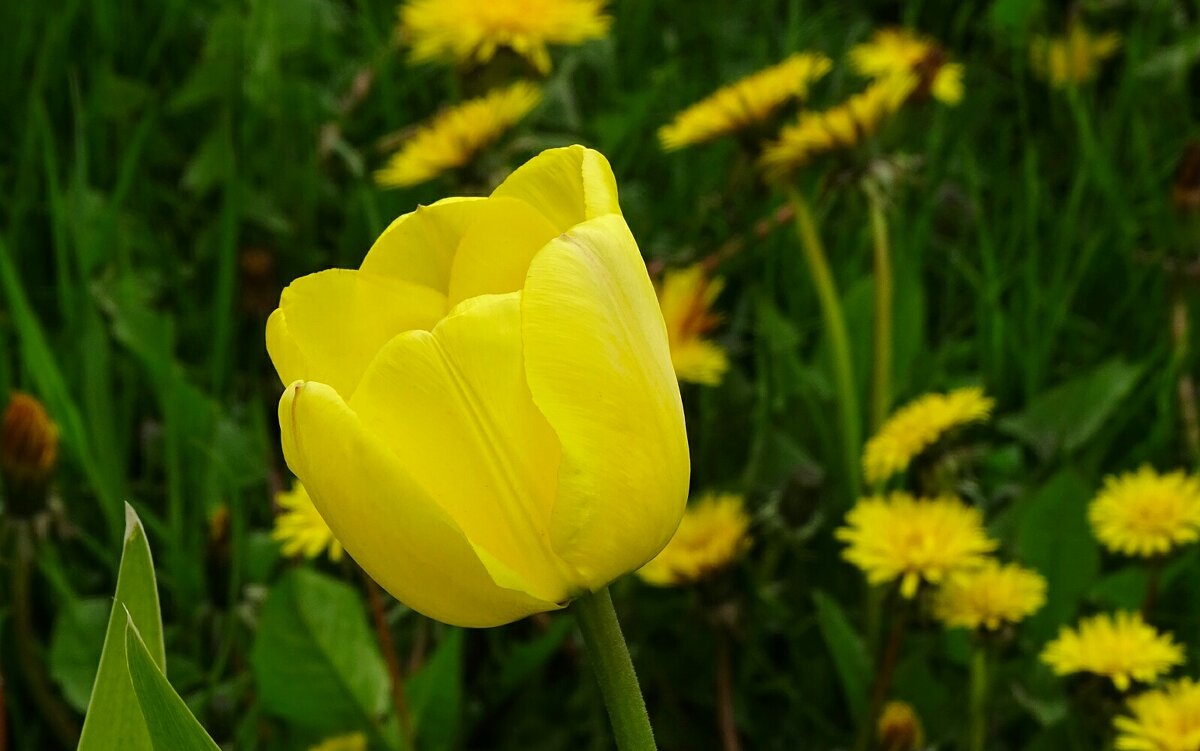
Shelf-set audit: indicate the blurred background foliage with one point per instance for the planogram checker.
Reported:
(168, 166)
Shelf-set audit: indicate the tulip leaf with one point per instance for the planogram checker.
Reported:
(114, 719)
(171, 724)
(846, 647)
(435, 695)
(314, 658)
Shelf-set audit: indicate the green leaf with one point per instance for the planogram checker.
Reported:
(75, 647)
(1066, 417)
(525, 659)
(846, 647)
(435, 695)
(113, 717)
(314, 658)
(171, 724)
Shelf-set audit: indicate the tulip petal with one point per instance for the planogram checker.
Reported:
(599, 368)
(329, 325)
(385, 520)
(495, 251)
(453, 406)
(419, 247)
(568, 185)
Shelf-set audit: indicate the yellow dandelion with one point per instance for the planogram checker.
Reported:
(913, 539)
(1163, 719)
(918, 425)
(711, 535)
(1074, 58)
(1121, 646)
(747, 102)
(990, 596)
(686, 297)
(1146, 514)
(899, 728)
(351, 742)
(912, 62)
(456, 135)
(471, 31)
(842, 127)
(300, 528)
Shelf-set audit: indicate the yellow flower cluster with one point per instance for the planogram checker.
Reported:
(1074, 58)
(686, 297)
(454, 137)
(1145, 513)
(914, 539)
(300, 528)
(712, 533)
(1120, 646)
(471, 31)
(917, 426)
(1163, 719)
(749, 101)
(911, 63)
(990, 596)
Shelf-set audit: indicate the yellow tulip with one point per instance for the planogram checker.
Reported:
(485, 413)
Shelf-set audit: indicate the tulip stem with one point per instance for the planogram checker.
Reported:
(614, 671)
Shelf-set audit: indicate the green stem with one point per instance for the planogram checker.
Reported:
(979, 692)
(614, 671)
(835, 331)
(881, 387)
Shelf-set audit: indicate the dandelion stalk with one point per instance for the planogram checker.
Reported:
(978, 695)
(388, 646)
(835, 331)
(881, 374)
(883, 677)
(726, 722)
(614, 671)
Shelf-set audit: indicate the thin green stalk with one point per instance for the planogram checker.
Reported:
(979, 693)
(881, 374)
(614, 671)
(834, 320)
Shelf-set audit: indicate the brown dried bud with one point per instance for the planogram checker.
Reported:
(28, 454)
(899, 728)
(1185, 193)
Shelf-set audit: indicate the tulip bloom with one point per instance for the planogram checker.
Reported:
(485, 413)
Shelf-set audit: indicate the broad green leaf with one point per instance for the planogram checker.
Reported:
(170, 723)
(525, 659)
(435, 695)
(113, 719)
(846, 647)
(315, 660)
(75, 647)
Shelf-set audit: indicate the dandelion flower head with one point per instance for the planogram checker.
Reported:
(910, 61)
(300, 527)
(471, 31)
(899, 728)
(917, 426)
(711, 535)
(1145, 513)
(990, 596)
(686, 297)
(744, 103)
(1120, 646)
(1074, 58)
(455, 136)
(1162, 719)
(913, 539)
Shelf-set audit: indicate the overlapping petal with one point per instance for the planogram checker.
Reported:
(568, 186)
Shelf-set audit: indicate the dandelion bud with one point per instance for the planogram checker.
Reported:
(1185, 193)
(899, 728)
(28, 452)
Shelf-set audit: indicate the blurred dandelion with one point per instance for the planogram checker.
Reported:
(745, 103)
(912, 63)
(300, 527)
(351, 742)
(686, 297)
(28, 454)
(1074, 58)
(471, 31)
(918, 425)
(914, 539)
(710, 537)
(899, 728)
(455, 136)
(990, 596)
(1145, 513)
(1162, 719)
(1119, 646)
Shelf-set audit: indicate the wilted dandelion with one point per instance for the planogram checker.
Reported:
(1162, 719)
(300, 527)
(456, 135)
(747, 102)
(1145, 513)
(28, 453)
(842, 127)
(899, 728)
(686, 297)
(917, 426)
(990, 596)
(1074, 58)
(351, 742)
(471, 31)
(1120, 646)
(910, 62)
(914, 539)
(711, 535)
